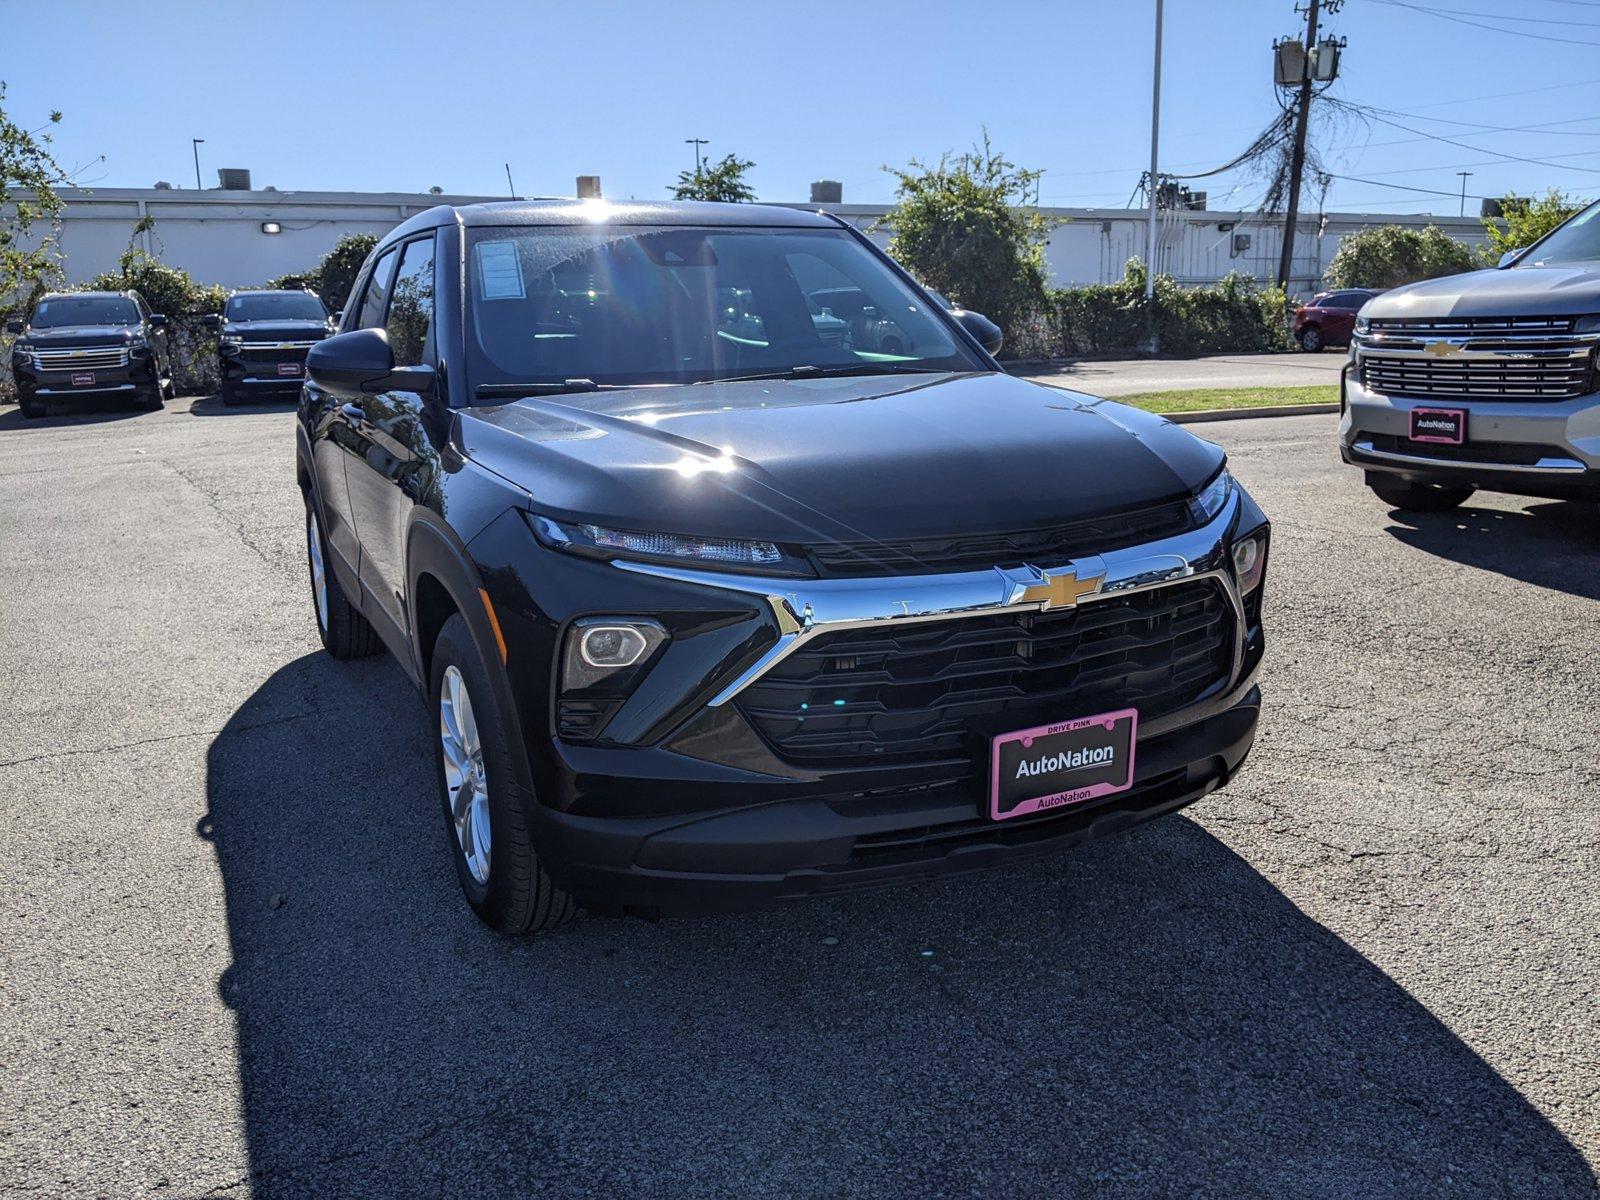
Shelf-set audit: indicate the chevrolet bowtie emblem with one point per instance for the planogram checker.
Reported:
(1051, 589)
(1441, 349)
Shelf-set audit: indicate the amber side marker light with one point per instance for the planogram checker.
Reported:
(494, 624)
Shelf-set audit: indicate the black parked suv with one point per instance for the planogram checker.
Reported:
(90, 344)
(262, 339)
(716, 608)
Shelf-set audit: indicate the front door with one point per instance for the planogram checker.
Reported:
(396, 465)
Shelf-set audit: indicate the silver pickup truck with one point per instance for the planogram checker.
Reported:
(1486, 380)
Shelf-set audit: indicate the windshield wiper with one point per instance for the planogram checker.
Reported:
(812, 371)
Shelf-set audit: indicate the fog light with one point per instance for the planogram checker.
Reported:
(611, 646)
(1250, 562)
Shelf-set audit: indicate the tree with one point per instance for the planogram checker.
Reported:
(721, 181)
(1524, 220)
(333, 277)
(168, 290)
(1390, 255)
(961, 227)
(26, 165)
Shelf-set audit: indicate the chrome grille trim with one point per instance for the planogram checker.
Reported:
(1470, 326)
(806, 609)
(81, 358)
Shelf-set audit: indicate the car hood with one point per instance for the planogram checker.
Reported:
(837, 459)
(81, 335)
(1512, 292)
(276, 330)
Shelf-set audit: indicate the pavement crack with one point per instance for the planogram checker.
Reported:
(166, 737)
(214, 499)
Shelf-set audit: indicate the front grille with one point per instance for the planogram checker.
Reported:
(1471, 326)
(907, 692)
(1053, 545)
(1558, 377)
(276, 351)
(82, 358)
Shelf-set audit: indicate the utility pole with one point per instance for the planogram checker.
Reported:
(696, 143)
(1155, 180)
(1463, 175)
(195, 146)
(1302, 117)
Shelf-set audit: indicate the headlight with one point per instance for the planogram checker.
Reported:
(1589, 324)
(230, 344)
(1212, 498)
(602, 662)
(598, 541)
(1363, 325)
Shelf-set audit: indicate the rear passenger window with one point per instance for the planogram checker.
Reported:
(377, 296)
(410, 322)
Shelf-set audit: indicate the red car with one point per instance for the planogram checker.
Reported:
(1330, 318)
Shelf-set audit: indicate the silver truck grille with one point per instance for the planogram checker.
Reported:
(82, 358)
(1500, 358)
(1554, 378)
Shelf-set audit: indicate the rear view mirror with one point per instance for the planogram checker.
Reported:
(362, 361)
(980, 327)
(14, 325)
(212, 321)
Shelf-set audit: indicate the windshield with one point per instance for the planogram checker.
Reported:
(1576, 241)
(61, 311)
(279, 306)
(631, 305)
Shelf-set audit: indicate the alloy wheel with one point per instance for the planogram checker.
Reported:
(464, 773)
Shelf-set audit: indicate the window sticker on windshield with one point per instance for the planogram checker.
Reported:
(499, 271)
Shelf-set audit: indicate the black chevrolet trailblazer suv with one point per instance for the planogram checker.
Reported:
(102, 344)
(713, 607)
(262, 340)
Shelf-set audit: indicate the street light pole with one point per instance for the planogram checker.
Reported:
(1155, 145)
(1463, 175)
(195, 146)
(696, 143)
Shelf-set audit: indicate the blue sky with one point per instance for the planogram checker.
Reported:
(400, 96)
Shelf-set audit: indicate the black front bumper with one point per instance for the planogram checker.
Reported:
(774, 850)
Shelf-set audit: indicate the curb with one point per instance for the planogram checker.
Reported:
(1241, 414)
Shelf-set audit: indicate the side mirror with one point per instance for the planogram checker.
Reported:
(212, 321)
(158, 321)
(15, 325)
(362, 361)
(1510, 254)
(980, 327)
(337, 317)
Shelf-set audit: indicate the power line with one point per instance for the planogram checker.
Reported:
(1373, 114)
(1549, 87)
(1461, 12)
(1444, 15)
(1401, 187)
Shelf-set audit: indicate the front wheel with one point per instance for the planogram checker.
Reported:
(1419, 497)
(485, 822)
(32, 407)
(1311, 339)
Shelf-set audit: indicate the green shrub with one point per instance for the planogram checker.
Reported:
(1235, 314)
(1391, 255)
(1523, 220)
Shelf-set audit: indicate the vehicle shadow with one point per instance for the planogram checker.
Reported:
(1554, 544)
(212, 406)
(83, 411)
(1147, 1016)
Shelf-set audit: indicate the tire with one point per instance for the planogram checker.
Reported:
(500, 874)
(150, 401)
(1311, 339)
(344, 631)
(1419, 497)
(230, 398)
(32, 407)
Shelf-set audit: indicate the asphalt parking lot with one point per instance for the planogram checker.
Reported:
(234, 960)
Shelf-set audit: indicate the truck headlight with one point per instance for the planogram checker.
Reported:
(1212, 498)
(597, 541)
(1363, 326)
(230, 345)
(1589, 324)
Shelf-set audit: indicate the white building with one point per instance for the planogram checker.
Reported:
(244, 238)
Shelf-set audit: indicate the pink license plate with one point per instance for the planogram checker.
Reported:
(1447, 425)
(289, 369)
(1051, 766)
(83, 379)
